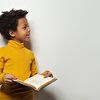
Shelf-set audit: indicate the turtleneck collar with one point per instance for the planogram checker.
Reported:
(15, 44)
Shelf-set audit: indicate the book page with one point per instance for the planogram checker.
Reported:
(38, 80)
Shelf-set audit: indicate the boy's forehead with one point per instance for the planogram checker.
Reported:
(22, 21)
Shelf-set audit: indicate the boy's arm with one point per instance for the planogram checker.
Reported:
(34, 69)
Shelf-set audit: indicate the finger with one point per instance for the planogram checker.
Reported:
(9, 76)
(45, 76)
(48, 73)
(13, 77)
(10, 79)
(51, 75)
(7, 80)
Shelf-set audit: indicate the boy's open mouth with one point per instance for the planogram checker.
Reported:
(27, 35)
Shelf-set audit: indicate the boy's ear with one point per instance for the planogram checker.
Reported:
(12, 34)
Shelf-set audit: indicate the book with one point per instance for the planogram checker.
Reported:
(37, 82)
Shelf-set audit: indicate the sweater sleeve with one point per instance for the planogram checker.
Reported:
(34, 69)
(1, 67)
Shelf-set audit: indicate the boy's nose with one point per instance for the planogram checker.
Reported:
(28, 29)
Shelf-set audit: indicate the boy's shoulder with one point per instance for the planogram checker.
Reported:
(29, 51)
(2, 48)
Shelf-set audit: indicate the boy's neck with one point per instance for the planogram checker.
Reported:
(18, 40)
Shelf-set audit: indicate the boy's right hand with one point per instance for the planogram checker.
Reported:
(8, 78)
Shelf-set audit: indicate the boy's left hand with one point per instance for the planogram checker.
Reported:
(47, 74)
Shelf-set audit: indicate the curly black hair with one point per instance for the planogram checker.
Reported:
(9, 21)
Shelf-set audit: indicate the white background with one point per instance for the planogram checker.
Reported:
(65, 37)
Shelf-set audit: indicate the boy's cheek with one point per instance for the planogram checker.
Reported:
(23, 36)
(27, 38)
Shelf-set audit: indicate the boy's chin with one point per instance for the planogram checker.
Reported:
(27, 39)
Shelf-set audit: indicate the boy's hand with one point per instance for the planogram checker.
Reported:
(47, 74)
(8, 78)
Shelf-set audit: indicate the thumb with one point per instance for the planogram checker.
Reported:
(13, 77)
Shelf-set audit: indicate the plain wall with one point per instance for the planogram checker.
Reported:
(65, 37)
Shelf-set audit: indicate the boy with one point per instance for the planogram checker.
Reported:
(16, 61)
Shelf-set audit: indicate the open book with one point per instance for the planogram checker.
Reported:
(37, 81)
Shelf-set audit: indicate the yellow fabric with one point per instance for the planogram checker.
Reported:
(17, 60)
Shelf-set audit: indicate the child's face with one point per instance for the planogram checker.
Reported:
(23, 31)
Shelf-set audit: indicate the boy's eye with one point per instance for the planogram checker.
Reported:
(24, 27)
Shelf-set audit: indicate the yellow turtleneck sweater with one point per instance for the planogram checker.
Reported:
(17, 60)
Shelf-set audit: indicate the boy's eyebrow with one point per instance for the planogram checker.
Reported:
(26, 24)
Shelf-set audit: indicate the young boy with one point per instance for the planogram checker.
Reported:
(16, 61)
